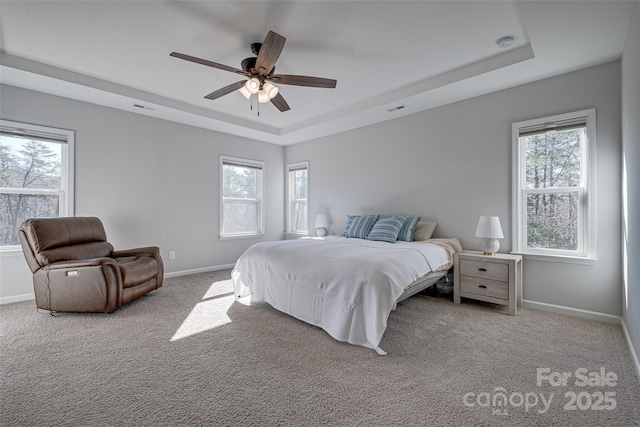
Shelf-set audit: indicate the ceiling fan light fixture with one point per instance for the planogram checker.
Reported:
(263, 97)
(270, 89)
(245, 92)
(253, 85)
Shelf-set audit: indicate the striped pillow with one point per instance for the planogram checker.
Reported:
(386, 229)
(408, 228)
(348, 224)
(361, 226)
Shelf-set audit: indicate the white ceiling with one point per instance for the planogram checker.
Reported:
(385, 54)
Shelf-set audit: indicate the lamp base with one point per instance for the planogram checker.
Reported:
(489, 246)
(321, 231)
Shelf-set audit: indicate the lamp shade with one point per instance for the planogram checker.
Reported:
(263, 97)
(489, 227)
(270, 89)
(253, 85)
(245, 92)
(322, 220)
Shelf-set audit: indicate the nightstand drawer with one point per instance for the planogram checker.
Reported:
(486, 287)
(484, 270)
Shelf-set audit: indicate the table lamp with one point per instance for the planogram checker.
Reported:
(322, 225)
(489, 231)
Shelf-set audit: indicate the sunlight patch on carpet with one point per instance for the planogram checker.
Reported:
(210, 313)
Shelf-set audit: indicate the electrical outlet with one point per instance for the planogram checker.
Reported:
(172, 254)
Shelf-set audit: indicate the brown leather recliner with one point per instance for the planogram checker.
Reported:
(75, 269)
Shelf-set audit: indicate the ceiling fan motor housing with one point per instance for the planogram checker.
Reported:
(248, 63)
(255, 48)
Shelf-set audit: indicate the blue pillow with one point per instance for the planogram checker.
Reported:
(348, 224)
(361, 226)
(409, 226)
(386, 229)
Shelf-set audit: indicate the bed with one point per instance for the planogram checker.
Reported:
(346, 286)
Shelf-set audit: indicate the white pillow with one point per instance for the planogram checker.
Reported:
(424, 230)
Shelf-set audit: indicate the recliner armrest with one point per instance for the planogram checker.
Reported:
(152, 251)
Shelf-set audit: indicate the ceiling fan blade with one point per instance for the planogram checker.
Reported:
(209, 63)
(269, 53)
(225, 90)
(288, 79)
(280, 103)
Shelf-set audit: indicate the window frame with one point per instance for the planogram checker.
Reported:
(292, 167)
(248, 163)
(586, 251)
(66, 139)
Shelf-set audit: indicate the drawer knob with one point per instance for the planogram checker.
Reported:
(482, 286)
(482, 269)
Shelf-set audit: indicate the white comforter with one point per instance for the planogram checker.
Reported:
(347, 287)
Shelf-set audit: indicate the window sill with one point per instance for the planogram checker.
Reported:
(9, 251)
(557, 258)
(292, 235)
(241, 236)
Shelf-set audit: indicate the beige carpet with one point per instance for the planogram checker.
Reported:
(187, 354)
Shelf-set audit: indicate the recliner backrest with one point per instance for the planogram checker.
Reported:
(50, 240)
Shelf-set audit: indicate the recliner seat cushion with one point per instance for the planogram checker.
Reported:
(136, 269)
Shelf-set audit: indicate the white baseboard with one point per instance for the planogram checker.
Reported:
(592, 315)
(197, 270)
(32, 296)
(576, 312)
(17, 298)
(634, 355)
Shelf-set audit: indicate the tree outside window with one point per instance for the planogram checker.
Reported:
(298, 198)
(241, 212)
(34, 179)
(553, 185)
(553, 162)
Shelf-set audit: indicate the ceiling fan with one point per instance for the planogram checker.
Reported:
(259, 72)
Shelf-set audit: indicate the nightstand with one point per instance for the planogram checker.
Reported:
(491, 278)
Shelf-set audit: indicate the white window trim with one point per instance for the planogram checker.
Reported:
(588, 163)
(66, 138)
(261, 221)
(292, 167)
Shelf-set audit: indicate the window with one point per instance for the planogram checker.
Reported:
(298, 217)
(36, 176)
(241, 212)
(554, 185)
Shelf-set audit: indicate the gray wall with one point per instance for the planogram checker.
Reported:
(453, 164)
(152, 182)
(155, 182)
(631, 153)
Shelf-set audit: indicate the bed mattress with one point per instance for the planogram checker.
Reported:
(348, 287)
